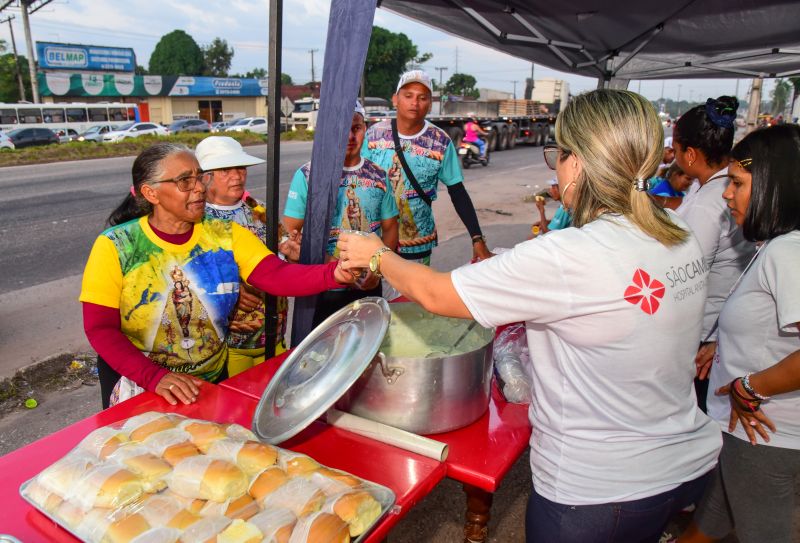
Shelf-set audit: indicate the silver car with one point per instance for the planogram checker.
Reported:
(95, 134)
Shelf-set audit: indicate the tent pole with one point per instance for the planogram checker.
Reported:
(273, 157)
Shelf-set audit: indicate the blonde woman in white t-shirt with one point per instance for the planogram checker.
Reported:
(613, 310)
(757, 374)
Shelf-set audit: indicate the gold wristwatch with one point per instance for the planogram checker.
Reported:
(375, 261)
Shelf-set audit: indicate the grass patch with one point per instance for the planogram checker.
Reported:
(78, 150)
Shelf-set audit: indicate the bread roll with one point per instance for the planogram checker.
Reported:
(240, 531)
(205, 530)
(276, 524)
(108, 486)
(357, 508)
(172, 445)
(203, 433)
(150, 469)
(126, 529)
(267, 481)
(207, 479)
(42, 497)
(242, 507)
(334, 482)
(295, 464)
(61, 476)
(251, 456)
(298, 495)
(103, 441)
(158, 535)
(239, 432)
(141, 426)
(166, 510)
(69, 514)
(320, 528)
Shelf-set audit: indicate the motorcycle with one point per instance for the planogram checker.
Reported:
(470, 154)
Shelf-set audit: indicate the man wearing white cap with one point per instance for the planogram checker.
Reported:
(365, 203)
(428, 157)
(561, 219)
(226, 198)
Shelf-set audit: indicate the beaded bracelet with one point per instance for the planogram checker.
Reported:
(751, 404)
(749, 389)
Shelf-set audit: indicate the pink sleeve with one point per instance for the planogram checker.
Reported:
(103, 330)
(279, 278)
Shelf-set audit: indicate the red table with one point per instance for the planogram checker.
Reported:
(411, 476)
(480, 454)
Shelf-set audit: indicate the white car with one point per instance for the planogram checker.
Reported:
(5, 142)
(249, 124)
(134, 130)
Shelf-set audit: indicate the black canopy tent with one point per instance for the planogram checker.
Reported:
(628, 39)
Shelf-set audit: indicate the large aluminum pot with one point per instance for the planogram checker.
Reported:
(432, 374)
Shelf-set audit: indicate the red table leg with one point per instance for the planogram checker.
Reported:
(479, 505)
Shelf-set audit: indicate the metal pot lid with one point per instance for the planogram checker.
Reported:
(321, 369)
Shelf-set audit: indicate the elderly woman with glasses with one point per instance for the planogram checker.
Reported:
(612, 309)
(161, 284)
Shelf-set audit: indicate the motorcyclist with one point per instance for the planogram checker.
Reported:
(472, 133)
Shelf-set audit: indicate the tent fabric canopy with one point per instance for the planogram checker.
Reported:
(628, 39)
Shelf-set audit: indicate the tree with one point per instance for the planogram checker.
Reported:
(9, 87)
(176, 53)
(795, 81)
(780, 95)
(387, 57)
(462, 85)
(140, 70)
(217, 57)
(286, 79)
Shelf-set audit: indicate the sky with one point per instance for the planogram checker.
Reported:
(243, 23)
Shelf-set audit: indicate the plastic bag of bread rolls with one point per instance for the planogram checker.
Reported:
(295, 464)
(266, 481)
(320, 528)
(356, 507)
(108, 486)
(240, 531)
(41, 496)
(205, 530)
(165, 511)
(251, 456)
(172, 445)
(103, 441)
(298, 495)
(61, 476)
(207, 479)
(276, 524)
(242, 507)
(158, 535)
(150, 469)
(239, 432)
(141, 426)
(203, 433)
(334, 482)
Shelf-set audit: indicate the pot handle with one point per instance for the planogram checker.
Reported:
(390, 373)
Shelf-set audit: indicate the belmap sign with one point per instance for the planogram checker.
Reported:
(68, 56)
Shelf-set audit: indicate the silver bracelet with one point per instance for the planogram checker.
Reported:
(749, 389)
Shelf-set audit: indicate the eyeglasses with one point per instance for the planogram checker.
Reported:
(551, 152)
(185, 183)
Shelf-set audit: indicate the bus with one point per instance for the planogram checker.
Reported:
(61, 116)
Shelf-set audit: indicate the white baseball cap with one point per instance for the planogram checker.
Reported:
(217, 152)
(553, 182)
(360, 109)
(415, 76)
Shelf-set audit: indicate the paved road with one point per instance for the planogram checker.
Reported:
(50, 215)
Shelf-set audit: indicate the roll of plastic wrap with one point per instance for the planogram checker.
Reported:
(388, 434)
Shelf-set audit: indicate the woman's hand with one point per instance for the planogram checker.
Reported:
(249, 299)
(355, 250)
(752, 421)
(368, 282)
(342, 276)
(291, 247)
(175, 387)
(480, 251)
(705, 355)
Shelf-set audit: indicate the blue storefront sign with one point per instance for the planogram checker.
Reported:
(67, 56)
(218, 86)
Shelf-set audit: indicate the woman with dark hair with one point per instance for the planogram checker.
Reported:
(757, 376)
(702, 139)
(161, 284)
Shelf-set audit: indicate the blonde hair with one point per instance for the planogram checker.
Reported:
(619, 139)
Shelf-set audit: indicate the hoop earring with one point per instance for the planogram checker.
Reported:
(691, 162)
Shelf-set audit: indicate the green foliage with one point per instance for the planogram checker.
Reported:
(387, 57)
(217, 57)
(462, 85)
(176, 54)
(140, 70)
(286, 79)
(9, 87)
(781, 95)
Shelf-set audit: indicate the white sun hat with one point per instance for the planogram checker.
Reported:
(415, 76)
(217, 152)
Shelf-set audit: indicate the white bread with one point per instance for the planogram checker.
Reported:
(239, 432)
(103, 441)
(357, 508)
(203, 433)
(242, 507)
(240, 531)
(126, 529)
(334, 482)
(295, 464)
(61, 476)
(276, 524)
(205, 530)
(41, 496)
(173, 445)
(69, 514)
(320, 528)
(207, 479)
(158, 535)
(251, 456)
(267, 481)
(298, 495)
(141, 426)
(150, 469)
(165, 510)
(107, 486)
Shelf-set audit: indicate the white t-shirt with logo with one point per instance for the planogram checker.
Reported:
(613, 321)
(725, 250)
(757, 329)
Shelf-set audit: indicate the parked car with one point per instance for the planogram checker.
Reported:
(221, 126)
(134, 130)
(189, 125)
(66, 135)
(95, 134)
(28, 137)
(5, 143)
(249, 124)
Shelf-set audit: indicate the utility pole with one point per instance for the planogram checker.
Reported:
(456, 60)
(312, 51)
(679, 99)
(16, 58)
(515, 89)
(23, 4)
(441, 69)
(754, 104)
